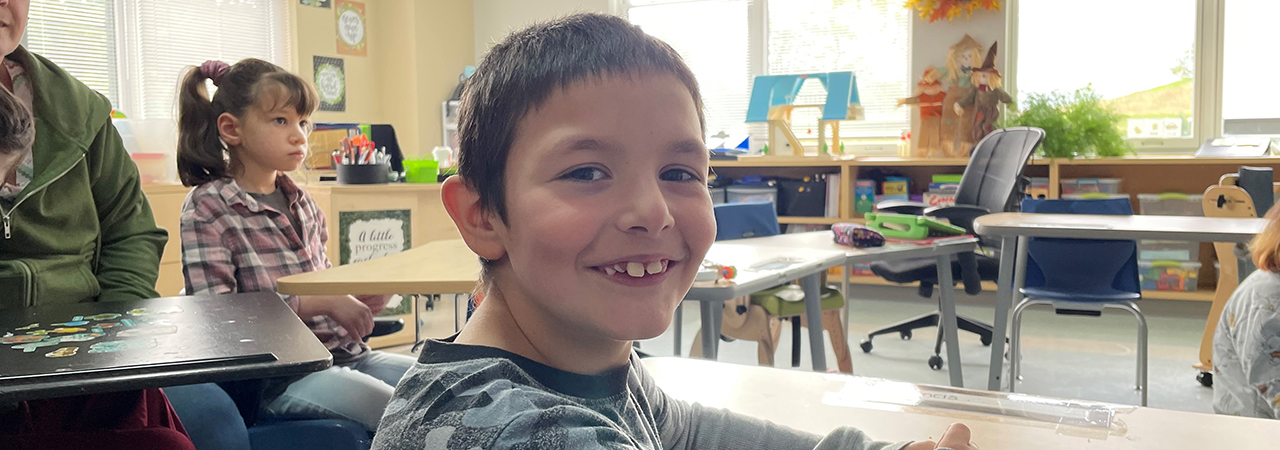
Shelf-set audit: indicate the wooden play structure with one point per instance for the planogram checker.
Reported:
(1225, 199)
(773, 99)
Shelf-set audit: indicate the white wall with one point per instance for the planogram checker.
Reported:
(494, 19)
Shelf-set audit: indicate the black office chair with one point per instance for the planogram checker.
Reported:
(991, 183)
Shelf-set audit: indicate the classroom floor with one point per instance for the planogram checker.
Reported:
(1089, 358)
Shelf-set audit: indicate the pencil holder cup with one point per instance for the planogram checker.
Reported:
(363, 173)
(420, 171)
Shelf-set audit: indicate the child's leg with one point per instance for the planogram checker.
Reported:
(334, 393)
(388, 367)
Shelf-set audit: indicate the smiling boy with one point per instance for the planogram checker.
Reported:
(582, 187)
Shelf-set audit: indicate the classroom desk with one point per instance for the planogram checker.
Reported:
(818, 403)
(942, 250)
(437, 267)
(1014, 229)
(170, 341)
(761, 266)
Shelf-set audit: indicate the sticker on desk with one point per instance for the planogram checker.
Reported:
(28, 327)
(23, 339)
(103, 317)
(62, 352)
(871, 392)
(67, 330)
(150, 311)
(82, 337)
(107, 325)
(32, 346)
(147, 331)
(38, 332)
(73, 323)
(120, 346)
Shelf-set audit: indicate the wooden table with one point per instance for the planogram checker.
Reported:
(437, 267)
(1015, 229)
(167, 342)
(818, 403)
(941, 250)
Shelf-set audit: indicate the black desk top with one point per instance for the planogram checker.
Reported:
(87, 348)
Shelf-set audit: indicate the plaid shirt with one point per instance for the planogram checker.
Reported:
(232, 243)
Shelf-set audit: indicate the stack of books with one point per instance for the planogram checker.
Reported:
(942, 190)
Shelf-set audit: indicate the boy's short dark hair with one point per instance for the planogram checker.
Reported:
(522, 71)
(17, 127)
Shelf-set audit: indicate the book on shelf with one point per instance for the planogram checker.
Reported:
(833, 195)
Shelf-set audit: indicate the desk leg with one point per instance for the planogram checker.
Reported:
(948, 296)
(710, 334)
(812, 285)
(844, 290)
(1004, 297)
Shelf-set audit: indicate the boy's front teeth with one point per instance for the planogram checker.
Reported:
(637, 270)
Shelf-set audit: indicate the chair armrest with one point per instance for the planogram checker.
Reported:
(959, 215)
(902, 207)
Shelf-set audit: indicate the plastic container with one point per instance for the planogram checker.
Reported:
(152, 167)
(718, 196)
(363, 173)
(1038, 188)
(1170, 204)
(1086, 185)
(1168, 275)
(1156, 250)
(1093, 196)
(743, 194)
(423, 171)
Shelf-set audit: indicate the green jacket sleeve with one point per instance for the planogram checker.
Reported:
(130, 242)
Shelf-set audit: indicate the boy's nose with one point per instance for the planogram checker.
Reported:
(647, 212)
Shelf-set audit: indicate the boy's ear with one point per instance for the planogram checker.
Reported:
(229, 129)
(479, 227)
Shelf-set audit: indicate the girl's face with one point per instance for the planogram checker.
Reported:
(272, 137)
(13, 22)
(609, 215)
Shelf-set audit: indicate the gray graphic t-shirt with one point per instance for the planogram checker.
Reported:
(467, 397)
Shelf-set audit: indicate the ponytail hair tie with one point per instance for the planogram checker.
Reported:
(214, 70)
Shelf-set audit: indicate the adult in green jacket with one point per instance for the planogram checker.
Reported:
(81, 230)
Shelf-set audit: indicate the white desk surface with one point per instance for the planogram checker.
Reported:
(753, 263)
(811, 402)
(1083, 226)
(822, 240)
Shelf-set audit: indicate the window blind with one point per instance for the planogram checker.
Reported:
(79, 36)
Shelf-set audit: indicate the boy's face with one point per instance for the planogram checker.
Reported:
(607, 174)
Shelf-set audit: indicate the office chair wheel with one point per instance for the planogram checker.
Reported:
(986, 341)
(866, 346)
(935, 362)
(1205, 379)
(905, 335)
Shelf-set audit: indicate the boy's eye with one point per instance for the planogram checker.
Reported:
(679, 175)
(584, 174)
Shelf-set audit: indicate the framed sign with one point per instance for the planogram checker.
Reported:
(366, 235)
(351, 28)
(331, 83)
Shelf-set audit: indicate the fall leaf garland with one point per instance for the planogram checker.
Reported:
(934, 10)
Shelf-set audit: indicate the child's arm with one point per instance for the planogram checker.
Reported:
(131, 243)
(207, 264)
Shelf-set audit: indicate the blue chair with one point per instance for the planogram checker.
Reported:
(735, 221)
(1081, 277)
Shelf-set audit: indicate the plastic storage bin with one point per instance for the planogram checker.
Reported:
(1169, 275)
(1156, 250)
(152, 167)
(743, 194)
(1039, 188)
(718, 196)
(1086, 185)
(1170, 204)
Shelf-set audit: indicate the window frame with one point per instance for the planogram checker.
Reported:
(758, 54)
(1206, 84)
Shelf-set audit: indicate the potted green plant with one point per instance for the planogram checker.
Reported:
(1075, 124)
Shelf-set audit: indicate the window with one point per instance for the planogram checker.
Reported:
(1139, 56)
(135, 51)
(1247, 62)
(726, 43)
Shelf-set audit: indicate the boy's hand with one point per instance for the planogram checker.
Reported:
(955, 438)
(376, 303)
(351, 314)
